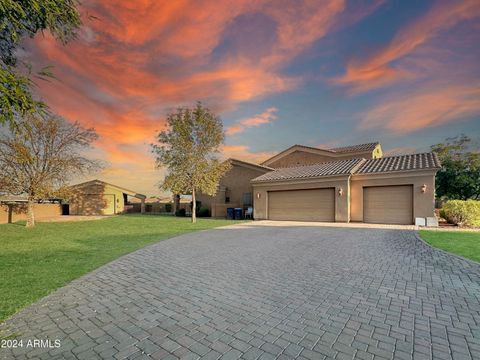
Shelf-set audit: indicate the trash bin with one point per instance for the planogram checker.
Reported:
(230, 213)
(238, 213)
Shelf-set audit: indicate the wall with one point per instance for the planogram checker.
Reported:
(260, 208)
(423, 203)
(19, 212)
(236, 182)
(298, 158)
(96, 199)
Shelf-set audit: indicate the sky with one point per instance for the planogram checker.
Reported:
(321, 73)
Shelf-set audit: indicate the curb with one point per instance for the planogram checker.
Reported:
(473, 262)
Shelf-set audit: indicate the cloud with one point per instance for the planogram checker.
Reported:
(137, 61)
(380, 69)
(428, 106)
(242, 152)
(264, 118)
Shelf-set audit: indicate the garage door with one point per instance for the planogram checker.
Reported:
(302, 205)
(388, 204)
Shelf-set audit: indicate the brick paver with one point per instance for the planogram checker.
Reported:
(265, 292)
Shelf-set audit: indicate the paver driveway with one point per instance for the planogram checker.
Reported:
(266, 292)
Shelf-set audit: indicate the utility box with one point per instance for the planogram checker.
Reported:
(432, 221)
(420, 221)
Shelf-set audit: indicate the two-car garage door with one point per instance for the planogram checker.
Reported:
(388, 204)
(302, 205)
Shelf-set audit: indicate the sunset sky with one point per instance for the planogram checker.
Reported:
(319, 73)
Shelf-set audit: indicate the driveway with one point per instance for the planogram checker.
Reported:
(270, 292)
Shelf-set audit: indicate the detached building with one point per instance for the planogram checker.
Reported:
(97, 197)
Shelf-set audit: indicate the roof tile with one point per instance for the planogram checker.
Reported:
(355, 148)
(343, 167)
(422, 161)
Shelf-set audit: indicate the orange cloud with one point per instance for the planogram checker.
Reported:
(378, 70)
(137, 61)
(264, 118)
(426, 107)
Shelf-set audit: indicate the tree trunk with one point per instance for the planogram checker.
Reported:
(30, 214)
(194, 207)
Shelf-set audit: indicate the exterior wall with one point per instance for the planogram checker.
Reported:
(260, 195)
(234, 184)
(96, 199)
(298, 158)
(19, 212)
(423, 203)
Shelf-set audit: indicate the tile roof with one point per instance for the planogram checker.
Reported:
(343, 167)
(355, 148)
(422, 161)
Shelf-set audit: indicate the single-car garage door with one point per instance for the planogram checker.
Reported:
(302, 205)
(388, 204)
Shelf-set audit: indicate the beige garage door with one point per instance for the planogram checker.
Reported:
(388, 204)
(302, 205)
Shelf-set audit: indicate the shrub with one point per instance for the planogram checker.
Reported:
(180, 213)
(461, 212)
(168, 207)
(203, 212)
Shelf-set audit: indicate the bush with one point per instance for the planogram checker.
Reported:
(203, 212)
(168, 207)
(461, 212)
(180, 213)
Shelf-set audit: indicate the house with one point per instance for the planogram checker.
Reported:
(343, 184)
(235, 189)
(97, 197)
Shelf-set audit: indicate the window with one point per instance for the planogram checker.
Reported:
(227, 199)
(247, 199)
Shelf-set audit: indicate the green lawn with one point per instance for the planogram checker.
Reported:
(463, 243)
(34, 262)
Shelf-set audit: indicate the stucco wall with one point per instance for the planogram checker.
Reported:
(260, 195)
(19, 212)
(297, 158)
(236, 182)
(96, 199)
(423, 203)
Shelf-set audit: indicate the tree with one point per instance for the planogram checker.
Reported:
(20, 19)
(459, 177)
(188, 148)
(41, 155)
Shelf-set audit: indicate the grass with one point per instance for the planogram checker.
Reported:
(34, 262)
(463, 243)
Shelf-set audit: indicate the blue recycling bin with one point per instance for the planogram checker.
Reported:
(230, 213)
(238, 213)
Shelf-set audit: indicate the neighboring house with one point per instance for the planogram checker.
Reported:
(352, 183)
(97, 197)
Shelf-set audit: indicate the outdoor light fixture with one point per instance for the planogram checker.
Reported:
(340, 191)
(424, 188)
(258, 195)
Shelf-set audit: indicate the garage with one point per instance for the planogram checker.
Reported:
(302, 205)
(388, 204)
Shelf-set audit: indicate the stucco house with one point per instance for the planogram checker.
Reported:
(343, 184)
(97, 197)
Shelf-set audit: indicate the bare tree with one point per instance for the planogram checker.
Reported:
(40, 155)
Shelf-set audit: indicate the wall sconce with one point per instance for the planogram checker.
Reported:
(340, 191)
(424, 188)
(258, 195)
